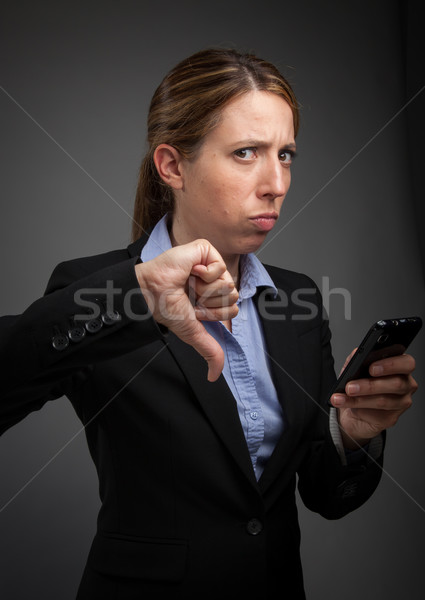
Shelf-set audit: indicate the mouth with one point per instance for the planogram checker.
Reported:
(265, 221)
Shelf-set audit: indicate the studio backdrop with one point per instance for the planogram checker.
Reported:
(77, 78)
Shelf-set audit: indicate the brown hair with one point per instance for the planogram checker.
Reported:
(187, 105)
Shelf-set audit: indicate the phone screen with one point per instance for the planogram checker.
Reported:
(385, 338)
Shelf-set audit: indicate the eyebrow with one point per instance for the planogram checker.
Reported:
(259, 143)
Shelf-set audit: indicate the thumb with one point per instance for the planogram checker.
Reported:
(207, 347)
(347, 360)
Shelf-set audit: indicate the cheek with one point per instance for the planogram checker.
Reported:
(222, 198)
(223, 194)
(234, 197)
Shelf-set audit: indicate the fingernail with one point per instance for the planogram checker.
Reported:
(353, 388)
(377, 370)
(338, 400)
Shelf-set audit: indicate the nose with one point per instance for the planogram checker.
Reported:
(274, 180)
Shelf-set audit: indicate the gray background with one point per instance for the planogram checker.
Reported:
(77, 78)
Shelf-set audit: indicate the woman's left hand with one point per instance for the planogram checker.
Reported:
(371, 405)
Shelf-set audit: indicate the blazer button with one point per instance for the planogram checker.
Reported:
(254, 527)
(111, 317)
(76, 334)
(60, 342)
(94, 325)
(348, 489)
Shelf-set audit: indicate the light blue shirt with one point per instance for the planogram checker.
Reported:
(246, 365)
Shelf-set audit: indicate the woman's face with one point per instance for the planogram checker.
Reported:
(232, 191)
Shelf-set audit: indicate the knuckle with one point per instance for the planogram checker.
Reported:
(202, 243)
(392, 420)
(407, 402)
(413, 385)
(399, 384)
(370, 386)
(411, 362)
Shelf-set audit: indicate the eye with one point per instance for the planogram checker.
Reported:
(246, 153)
(286, 156)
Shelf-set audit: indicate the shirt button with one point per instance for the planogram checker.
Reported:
(254, 415)
(254, 527)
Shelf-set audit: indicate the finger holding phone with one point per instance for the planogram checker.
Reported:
(376, 384)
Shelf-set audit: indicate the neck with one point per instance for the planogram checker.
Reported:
(232, 264)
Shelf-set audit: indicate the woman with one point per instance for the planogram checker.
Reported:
(197, 477)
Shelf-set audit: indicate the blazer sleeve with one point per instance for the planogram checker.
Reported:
(326, 485)
(88, 314)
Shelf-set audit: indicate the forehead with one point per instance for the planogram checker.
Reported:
(256, 114)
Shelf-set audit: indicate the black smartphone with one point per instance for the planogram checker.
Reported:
(385, 338)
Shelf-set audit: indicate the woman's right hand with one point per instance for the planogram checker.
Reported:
(188, 284)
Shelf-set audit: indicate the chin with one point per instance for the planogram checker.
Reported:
(251, 246)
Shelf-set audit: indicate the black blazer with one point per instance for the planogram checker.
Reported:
(182, 514)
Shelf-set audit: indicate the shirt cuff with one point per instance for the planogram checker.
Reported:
(372, 449)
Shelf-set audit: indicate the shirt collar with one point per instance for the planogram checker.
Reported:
(158, 242)
(253, 273)
(253, 276)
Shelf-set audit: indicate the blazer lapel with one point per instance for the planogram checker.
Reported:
(282, 347)
(219, 404)
(215, 398)
(217, 401)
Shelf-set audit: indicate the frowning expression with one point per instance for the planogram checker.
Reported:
(232, 191)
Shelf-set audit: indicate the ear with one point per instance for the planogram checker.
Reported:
(167, 162)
